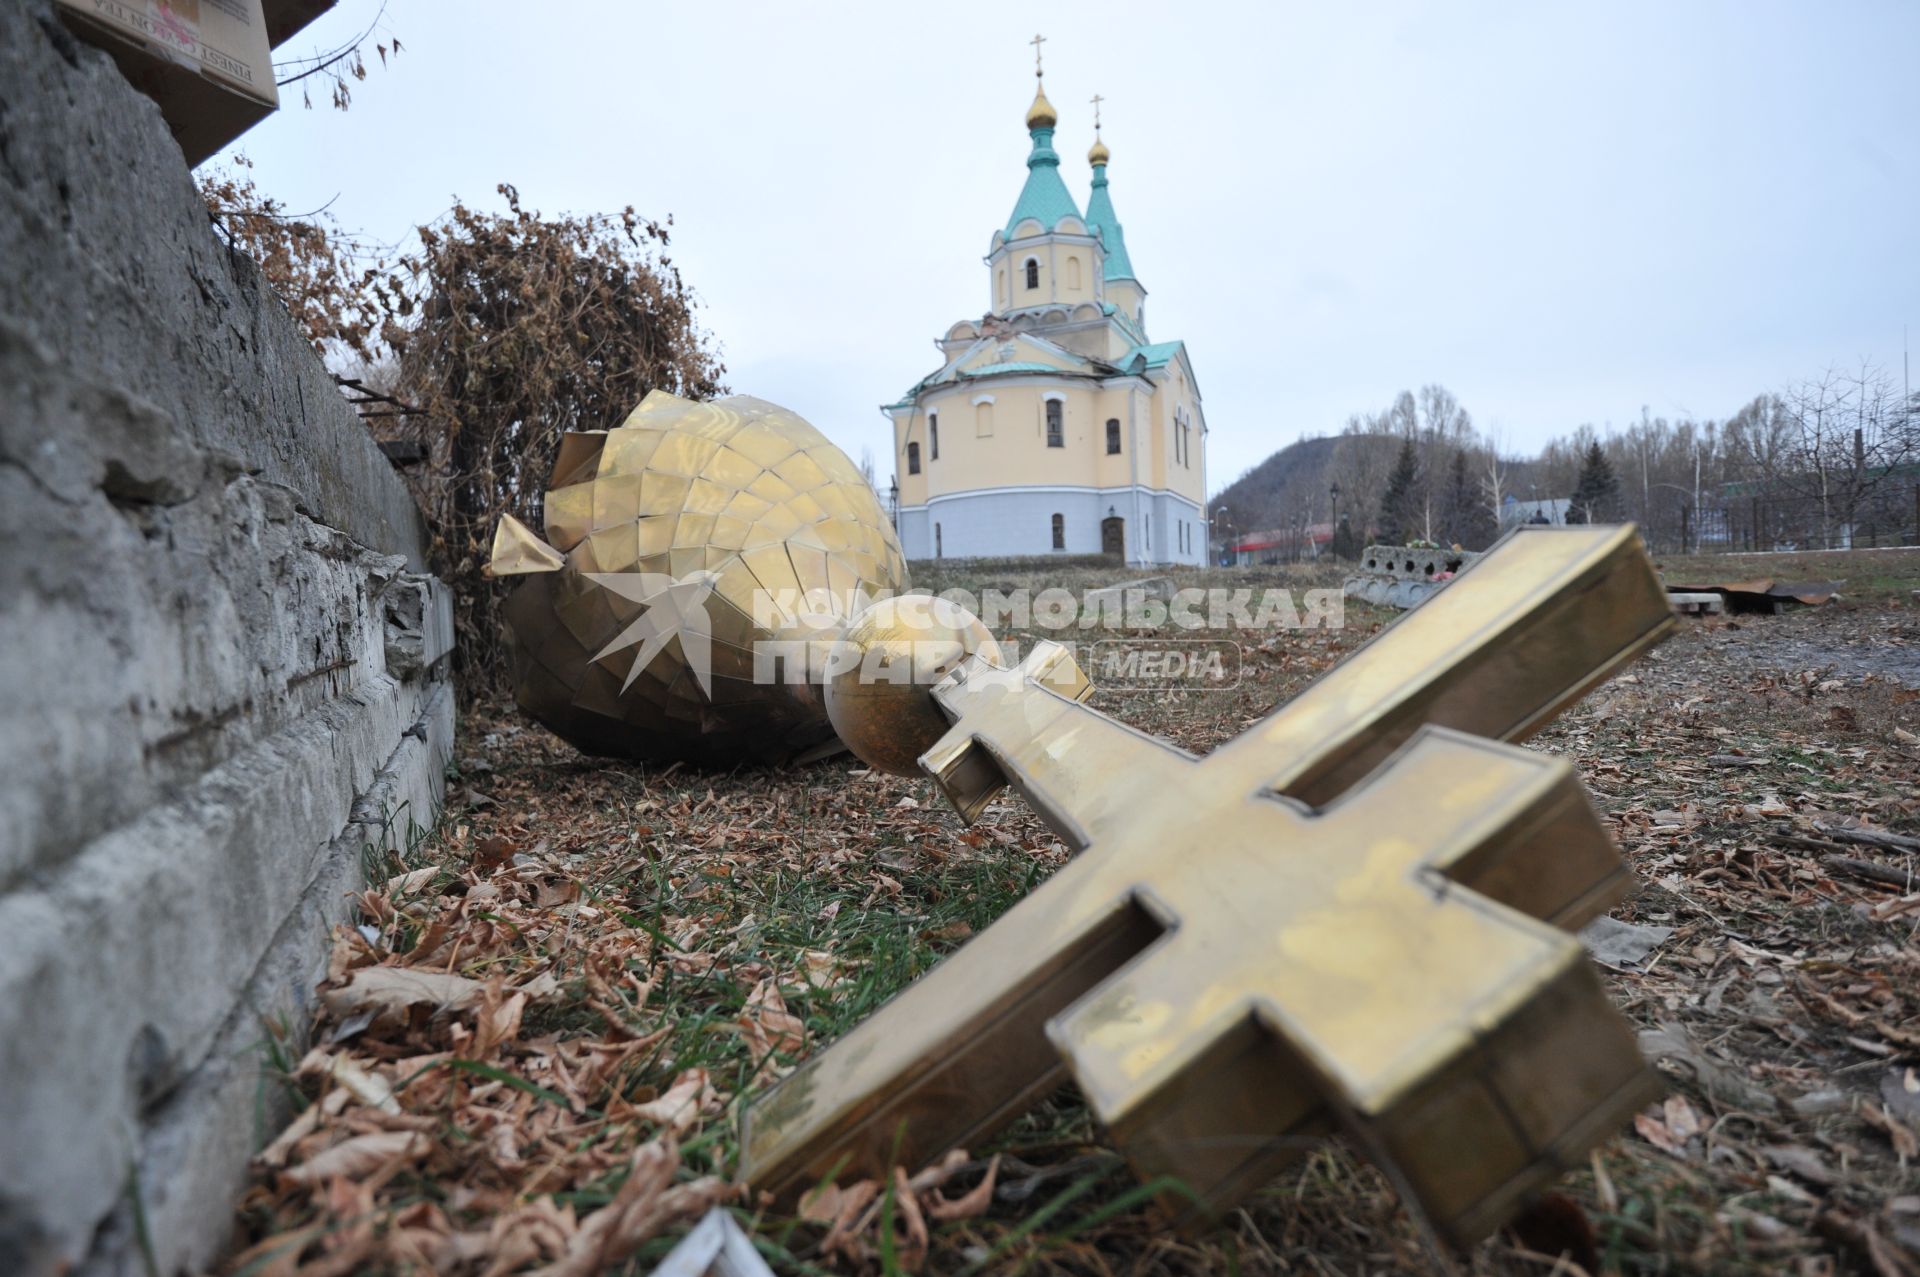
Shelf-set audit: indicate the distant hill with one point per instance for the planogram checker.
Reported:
(1262, 497)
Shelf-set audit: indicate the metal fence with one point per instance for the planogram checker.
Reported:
(1743, 520)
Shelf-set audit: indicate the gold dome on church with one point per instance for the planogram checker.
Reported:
(1041, 114)
(1097, 153)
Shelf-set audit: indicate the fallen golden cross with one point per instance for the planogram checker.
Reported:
(1353, 918)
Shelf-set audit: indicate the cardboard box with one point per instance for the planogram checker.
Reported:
(207, 63)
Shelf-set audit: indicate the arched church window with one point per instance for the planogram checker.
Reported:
(1059, 531)
(1033, 272)
(1113, 436)
(933, 436)
(1073, 272)
(983, 418)
(1056, 424)
(913, 458)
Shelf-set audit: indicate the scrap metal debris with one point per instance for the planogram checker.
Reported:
(1763, 594)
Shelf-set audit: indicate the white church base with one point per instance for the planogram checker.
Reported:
(992, 523)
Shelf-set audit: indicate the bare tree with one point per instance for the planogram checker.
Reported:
(1361, 461)
(1825, 456)
(1493, 475)
(340, 64)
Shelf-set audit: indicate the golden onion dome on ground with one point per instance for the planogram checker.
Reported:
(671, 541)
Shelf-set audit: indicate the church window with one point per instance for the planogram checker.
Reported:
(1113, 436)
(913, 458)
(983, 418)
(936, 540)
(1073, 272)
(933, 436)
(1033, 272)
(1059, 532)
(1056, 426)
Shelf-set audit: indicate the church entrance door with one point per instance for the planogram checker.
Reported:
(1113, 538)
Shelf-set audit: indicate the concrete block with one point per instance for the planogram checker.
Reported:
(223, 677)
(1697, 602)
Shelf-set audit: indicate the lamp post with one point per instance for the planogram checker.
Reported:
(1228, 516)
(1333, 519)
(1689, 524)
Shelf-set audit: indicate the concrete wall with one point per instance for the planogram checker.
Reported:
(222, 676)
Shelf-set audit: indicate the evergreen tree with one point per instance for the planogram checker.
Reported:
(1345, 545)
(1596, 494)
(1469, 521)
(1399, 507)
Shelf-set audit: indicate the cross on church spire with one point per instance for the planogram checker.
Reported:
(1096, 99)
(1036, 42)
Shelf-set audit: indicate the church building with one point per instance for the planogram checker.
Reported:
(1055, 424)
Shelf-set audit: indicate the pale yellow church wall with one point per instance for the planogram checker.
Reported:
(1070, 273)
(1102, 341)
(910, 427)
(1119, 468)
(1189, 479)
(1017, 452)
(1126, 297)
(1153, 439)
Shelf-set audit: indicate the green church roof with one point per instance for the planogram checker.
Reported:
(1045, 197)
(1023, 365)
(1154, 355)
(1102, 221)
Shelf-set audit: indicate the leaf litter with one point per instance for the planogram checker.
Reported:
(532, 1049)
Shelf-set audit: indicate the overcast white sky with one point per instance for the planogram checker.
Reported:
(1562, 212)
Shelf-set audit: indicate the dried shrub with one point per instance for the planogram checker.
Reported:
(512, 329)
(332, 283)
(503, 331)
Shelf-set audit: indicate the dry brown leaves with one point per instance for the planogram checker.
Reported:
(426, 1071)
(857, 1214)
(527, 1057)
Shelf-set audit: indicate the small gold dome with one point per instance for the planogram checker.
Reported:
(881, 672)
(1041, 114)
(1097, 153)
